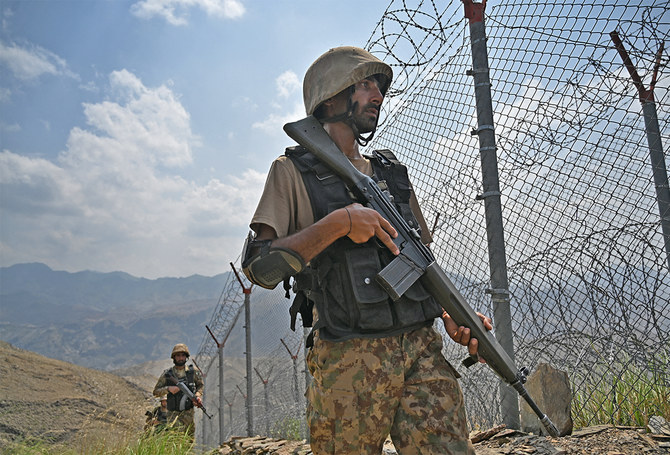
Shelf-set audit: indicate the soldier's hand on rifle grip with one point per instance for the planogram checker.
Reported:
(365, 223)
(461, 335)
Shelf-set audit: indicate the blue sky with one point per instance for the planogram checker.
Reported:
(136, 135)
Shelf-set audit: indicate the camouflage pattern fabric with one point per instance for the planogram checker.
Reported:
(366, 389)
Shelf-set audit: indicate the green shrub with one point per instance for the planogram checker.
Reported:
(625, 395)
(287, 428)
(150, 443)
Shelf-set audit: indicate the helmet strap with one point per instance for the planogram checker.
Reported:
(360, 139)
(343, 117)
(363, 141)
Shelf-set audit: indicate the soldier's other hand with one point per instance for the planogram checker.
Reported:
(173, 389)
(461, 334)
(367, 223)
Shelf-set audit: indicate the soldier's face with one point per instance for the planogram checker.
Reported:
(179, 359)
(366, 99)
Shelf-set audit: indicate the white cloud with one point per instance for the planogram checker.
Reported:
(175, 12)
(287, 84)
(114, 198)
(274, 123)
(288, 108)
(13, 128)
(6, 17)
(152, 126)
(89, 87)
(31, 62)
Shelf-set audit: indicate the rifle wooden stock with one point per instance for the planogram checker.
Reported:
(415, 261)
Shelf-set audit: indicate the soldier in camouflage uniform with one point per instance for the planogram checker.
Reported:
(180, 409)
(377, 364)
(157, 417)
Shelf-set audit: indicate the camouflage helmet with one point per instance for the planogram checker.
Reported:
(339, 68)
(180, 348)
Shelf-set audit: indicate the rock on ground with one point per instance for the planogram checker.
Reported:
(597, 440)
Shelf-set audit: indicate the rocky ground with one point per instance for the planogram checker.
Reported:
(605, 440)
(598, 440)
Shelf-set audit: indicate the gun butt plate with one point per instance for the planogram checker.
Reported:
(549, 426)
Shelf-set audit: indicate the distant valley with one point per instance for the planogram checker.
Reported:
(104, 321)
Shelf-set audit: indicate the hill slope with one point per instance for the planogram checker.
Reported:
(58, 402)
(103, 320)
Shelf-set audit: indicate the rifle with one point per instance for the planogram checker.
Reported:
(415, 261)
(186, 391)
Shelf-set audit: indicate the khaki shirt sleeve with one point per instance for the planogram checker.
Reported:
(284, 204)
(161, 388)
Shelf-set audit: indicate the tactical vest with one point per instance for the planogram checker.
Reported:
(178, 401)
(340, 281)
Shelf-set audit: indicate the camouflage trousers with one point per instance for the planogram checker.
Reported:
(366, 389)
(183, 420)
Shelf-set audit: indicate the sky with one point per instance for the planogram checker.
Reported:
(135, 136)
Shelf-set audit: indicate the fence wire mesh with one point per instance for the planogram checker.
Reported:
(278, 371)
(588, 270)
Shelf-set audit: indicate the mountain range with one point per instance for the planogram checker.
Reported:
(103, 320)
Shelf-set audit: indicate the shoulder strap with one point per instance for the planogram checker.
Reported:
(322, 184)
(386, 157)
(306, 161)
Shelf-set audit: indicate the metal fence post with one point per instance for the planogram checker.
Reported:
(499, 290)
(296, 387)
(230, 409)
(247, 331)
(219, 347)
(267, 400)
(308, 378)
(653, 131)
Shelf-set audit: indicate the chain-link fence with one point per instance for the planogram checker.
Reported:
(589, 283)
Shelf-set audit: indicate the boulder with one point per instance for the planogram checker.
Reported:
(550, 389)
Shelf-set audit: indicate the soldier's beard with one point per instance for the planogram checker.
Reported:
(363, 122)
(179, 363)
